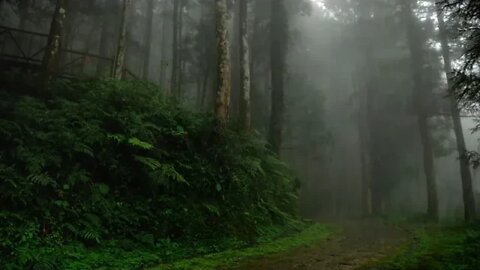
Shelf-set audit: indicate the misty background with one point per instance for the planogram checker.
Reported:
(350, 121)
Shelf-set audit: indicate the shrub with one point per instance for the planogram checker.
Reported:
(104, 159)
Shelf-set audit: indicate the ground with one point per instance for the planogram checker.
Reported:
(359, 243)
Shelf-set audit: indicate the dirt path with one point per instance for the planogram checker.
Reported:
(361, 241)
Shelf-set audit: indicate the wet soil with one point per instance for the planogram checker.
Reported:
(358, 243)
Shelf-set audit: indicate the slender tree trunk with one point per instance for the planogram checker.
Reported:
(148, 39)
(119, 63)
(163, 52)
(417, 59)
(468, 195)
(206, 77)
(104, 38)
(222, 97)
(364, 149)
(181, 61)
(278, 51)
(245, 111)
(51, 58)
(174, 77)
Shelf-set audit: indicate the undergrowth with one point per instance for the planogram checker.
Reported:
(113, 166)
(437, 248)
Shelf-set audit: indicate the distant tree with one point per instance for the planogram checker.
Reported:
(51, 58)
(278, 53)
(163, 50)
(119, 63)
(175, 49)
(420, 95)
(245, 111)
(222, 97)
(468, 196)
(147, 43)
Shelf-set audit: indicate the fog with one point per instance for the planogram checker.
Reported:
(367, 112)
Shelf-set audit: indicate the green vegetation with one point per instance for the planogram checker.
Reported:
(309, 236)
(437, 248)
(106, 174)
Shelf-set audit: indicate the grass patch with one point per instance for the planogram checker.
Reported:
(436, 248)
(307, 237)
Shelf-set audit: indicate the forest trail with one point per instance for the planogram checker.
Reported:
(360, 242)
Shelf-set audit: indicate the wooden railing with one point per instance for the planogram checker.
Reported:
(23, 48)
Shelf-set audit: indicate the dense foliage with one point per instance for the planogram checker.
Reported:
(464, 15)
(107, 162)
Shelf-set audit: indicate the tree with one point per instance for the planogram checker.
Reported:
(148, 39)
(467, 78)
(119, 62)
(51, 59)
(278, 52)
(245, 112)
(468, 196)
(420, 99)
(222, 97)
(175, 51)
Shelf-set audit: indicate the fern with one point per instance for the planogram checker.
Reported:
(139, 143)
(42, 179)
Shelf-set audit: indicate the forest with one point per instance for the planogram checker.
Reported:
(239, 134)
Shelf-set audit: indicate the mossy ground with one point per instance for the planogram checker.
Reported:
(311, 235)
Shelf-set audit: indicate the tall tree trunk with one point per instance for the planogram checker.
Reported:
(148, 39)
(222, 97)
(245, 111)
(364, 148)
(104, 42)
(174, 77)
(417, 61)
(119, 63)
(163, 52)
(278, 51)
(181, 61)
(468, 196)
(51, 58)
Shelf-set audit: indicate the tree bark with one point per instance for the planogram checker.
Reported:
(119, 63)
(163, 60)
(181, 62)
(364, 148)
(467, 187)
(278, 51)
(174, 77)
(417, 60)
(245, 111)
(104, 42)
(51, 58)
(148, 39)
(222, 97)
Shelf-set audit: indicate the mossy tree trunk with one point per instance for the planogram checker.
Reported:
(51, 58)
(119, 63)
(222, 97)
(245, 111)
